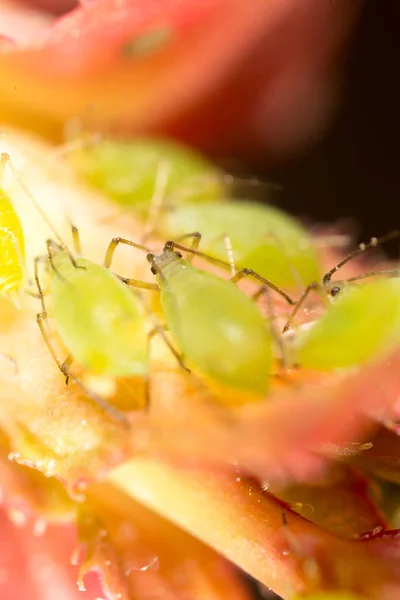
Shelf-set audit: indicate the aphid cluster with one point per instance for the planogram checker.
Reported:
(213, 328)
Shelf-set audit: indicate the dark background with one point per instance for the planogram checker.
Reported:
(355, 170)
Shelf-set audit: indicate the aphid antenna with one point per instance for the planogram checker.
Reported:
(339, 240)
(373, 243)
(115, 242)
(333, 288)
(170, 245)
(237, 181)
(392, 272)
(6, 160)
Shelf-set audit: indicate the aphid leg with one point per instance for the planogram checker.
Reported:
(37, 260)
(373, 243)
(260, 292)
(160, 330)
(158, 198)
(128, 280)
(250, 273)
(76, 238)
(41, 318)
(265, 291)
(196, 239)
(170, 245)
(6, 160)
(231, 256)
(311, 287)
(64, 368)
(229, 251)
(49, 244)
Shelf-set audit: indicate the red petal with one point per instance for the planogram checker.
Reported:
(255, 73)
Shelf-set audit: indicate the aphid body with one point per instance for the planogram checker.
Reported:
(216, 326)
(12, 248)
(263, 238)
(127, 171)
(362, 323)
(98, 318)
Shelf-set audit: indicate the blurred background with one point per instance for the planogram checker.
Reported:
(353, 172)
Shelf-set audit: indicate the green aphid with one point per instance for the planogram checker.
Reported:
(99, 321)
(98, 318)
(362, 323)
(128, 172)
(262, 238)
(217, 328)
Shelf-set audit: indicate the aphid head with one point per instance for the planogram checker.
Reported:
(160, 261)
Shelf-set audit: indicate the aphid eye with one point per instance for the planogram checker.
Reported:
(335, 290)
(178, 254)
(154, 270)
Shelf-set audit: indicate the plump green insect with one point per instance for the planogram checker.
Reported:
(217, 327)
(262, 238)
(362, 323)
(98, 319)
(12, 244)
(128, 172)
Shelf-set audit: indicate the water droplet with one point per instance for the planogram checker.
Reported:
(81, 586)
(264, 486)
(107, 563)
(83, 422)
(238, 479)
